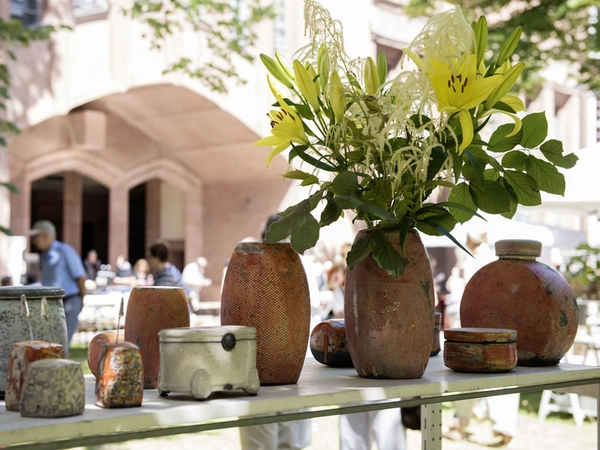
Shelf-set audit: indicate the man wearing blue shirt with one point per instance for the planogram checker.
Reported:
(61, 267)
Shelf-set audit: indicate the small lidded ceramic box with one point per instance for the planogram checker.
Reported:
(202, 360)
(480, 349)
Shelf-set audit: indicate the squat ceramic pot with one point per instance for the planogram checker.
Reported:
(30, 313)
(520, 293)
(265, 287)
(149, 310)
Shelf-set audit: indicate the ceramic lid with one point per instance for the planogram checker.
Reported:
(205, 334)
(480, 335)
(31, 292)
(518, 247)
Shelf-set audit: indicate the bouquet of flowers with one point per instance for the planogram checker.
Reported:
(383, 148)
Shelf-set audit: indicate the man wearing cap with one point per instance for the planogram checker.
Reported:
(61, 267)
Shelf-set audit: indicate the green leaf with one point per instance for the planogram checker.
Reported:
(296, 175)
(331, 212)
(345, 183)
(386, 255)
(431, 221)
(547, 176)
(473, 170)
(353, 201)
(311, 179)
(6, 231)
(300, 150)
(525, 188)
(515, 159)
(11, 187)
(462, 195)
(360, 250)
(492, 199)
(305, 233)
(535, 130)
(553, 152)
(499, 143)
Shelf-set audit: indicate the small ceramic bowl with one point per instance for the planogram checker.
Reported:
(480, 349)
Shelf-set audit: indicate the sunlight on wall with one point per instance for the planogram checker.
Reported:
(172, 214)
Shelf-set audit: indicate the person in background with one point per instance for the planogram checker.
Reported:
(141, 272)
(62, 267)
(123, 271)
(92, 264)
(6, 281)
(165, 273)
(194, 277)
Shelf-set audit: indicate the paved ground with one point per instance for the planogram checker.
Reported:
(558, 432)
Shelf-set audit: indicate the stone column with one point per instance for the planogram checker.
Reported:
(118, 223)
(194, 225)
(73, 209)
(153, 207)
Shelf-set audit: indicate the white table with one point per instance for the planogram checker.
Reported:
(321, 390)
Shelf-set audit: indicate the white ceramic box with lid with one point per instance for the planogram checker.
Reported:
(202, 360)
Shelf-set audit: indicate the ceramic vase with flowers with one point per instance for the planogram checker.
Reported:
(406, 155)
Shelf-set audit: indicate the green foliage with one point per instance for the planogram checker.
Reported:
(14, 34)
(227, 29)
(553, 30)
(382, 148)
(584, 268)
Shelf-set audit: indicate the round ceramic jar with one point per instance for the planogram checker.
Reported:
(30, 313)
(480, 349)
(520, 293)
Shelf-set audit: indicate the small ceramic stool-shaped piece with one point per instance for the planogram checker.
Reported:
(53, 388)
(329, 344)
(120, 378)
(149, 310)
(23, 354)
(97, 343)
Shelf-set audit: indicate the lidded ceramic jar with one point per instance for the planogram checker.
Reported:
(30, 313)
(520, 293)
(202, 360)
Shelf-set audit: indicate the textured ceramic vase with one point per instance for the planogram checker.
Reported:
(520, 293)
(390, 320)
(149, 310)
(265, 287)
(30, 313)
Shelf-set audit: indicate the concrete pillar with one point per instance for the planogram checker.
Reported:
(153, 231)
(194, 225)
(73, 209)
(118, 223)
(20, 214)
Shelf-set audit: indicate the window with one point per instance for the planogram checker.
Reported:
(27, 11)
(89, 9)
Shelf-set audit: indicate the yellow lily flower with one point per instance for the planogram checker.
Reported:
(286, 128)
(458, 88)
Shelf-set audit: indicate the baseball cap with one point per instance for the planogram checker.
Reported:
(42, 227)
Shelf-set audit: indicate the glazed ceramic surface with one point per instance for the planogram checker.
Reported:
(520, 293)
(265, 287)
(202, 360)
(96, 344)
(149, 310)
(329, 344)
(53, 388)
(46, 320)
(120, 377)
(480, 349)
(21, 357)
(390, 320)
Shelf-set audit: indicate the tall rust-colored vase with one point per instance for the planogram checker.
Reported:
(526, 295)
(149, 310)
(265, 287)
(390, 320)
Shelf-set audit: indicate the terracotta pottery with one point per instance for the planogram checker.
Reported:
(96, 344)
(265, 287)
(477, 350)
(22, 355)
(390, 320)
(329, 345)
(149, 310)
(30, 313)
(520, 293)
(120, 379)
